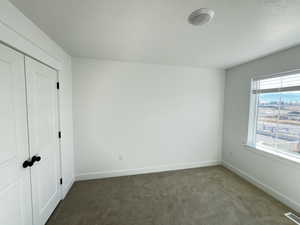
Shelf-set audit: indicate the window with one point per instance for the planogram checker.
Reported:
(274, 122)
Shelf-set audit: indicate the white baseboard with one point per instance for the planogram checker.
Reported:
(67, 187)
(271, 191)
(118, 173)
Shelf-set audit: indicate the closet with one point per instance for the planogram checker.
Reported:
(30, 146)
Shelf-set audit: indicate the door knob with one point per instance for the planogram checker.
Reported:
(36, 158)
(27, 163)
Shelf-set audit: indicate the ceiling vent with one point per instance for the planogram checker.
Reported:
(201, 16)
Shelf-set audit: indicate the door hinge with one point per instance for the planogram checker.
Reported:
(57, 85)
(60, 180)
(59, 134)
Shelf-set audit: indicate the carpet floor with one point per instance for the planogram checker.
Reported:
(203, 196)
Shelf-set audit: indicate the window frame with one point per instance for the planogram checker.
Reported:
(252, 121)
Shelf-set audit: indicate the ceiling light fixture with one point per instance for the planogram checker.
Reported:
(201, 16)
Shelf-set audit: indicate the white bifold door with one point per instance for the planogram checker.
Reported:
(29, 153)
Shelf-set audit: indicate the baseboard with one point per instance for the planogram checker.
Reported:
(271, 191)
(118, 173)
(67, 187)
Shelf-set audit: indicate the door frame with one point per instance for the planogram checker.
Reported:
(59, 140)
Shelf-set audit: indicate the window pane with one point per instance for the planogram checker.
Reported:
(278, 121)
(267, 117)
(289, 123)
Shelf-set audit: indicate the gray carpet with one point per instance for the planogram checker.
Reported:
(204, 196)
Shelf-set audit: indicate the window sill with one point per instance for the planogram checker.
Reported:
(273, 154)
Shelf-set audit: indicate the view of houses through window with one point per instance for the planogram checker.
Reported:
(278, 114)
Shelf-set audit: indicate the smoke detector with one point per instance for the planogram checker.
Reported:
(201, 16)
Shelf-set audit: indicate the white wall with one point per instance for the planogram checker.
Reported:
(278, 177)
(132, 118)
(19, 32)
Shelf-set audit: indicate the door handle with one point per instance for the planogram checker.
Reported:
(29, 163)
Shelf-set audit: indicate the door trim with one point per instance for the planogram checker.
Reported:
(59, 141)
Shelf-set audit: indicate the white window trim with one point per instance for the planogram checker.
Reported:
(280, 74)
(252, 117)
(274, 154)
(252, 121)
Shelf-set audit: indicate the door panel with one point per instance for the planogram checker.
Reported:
(43, 138)
(15, 191)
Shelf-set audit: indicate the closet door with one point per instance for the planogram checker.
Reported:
(42, 102)
(15, 190)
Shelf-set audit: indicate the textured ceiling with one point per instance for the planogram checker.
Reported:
(157, 31)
